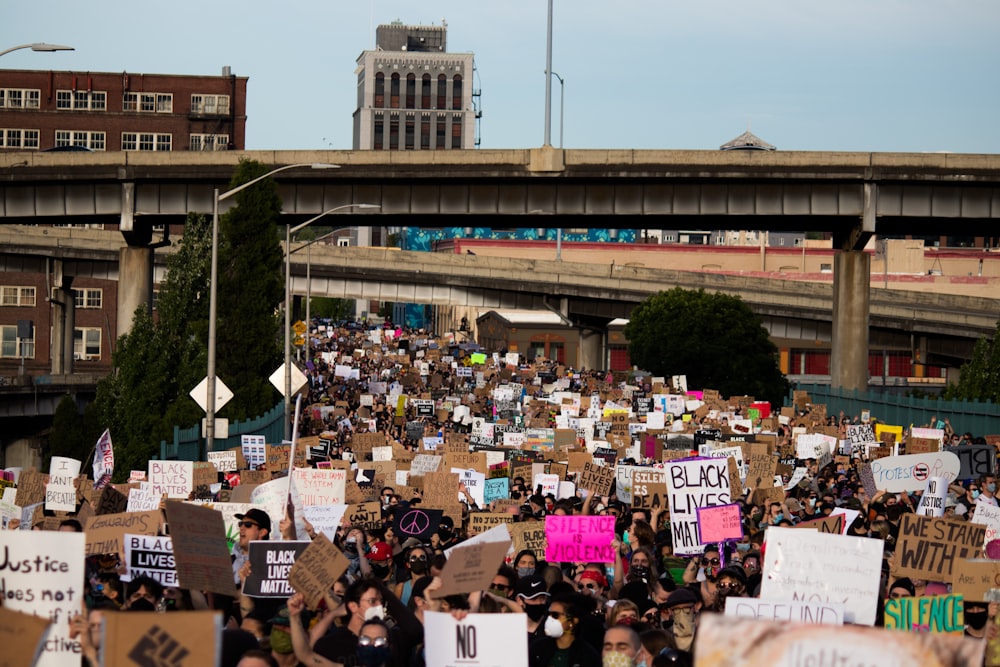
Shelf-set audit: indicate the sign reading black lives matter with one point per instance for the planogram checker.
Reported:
(270, 563)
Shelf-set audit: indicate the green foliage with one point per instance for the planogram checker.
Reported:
(69, 436)
(979, 378)
(251, 288)
(335, 309)
(385, 310)
(713, 339)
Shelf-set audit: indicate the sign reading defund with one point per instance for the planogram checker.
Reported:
(692, 484)
(41, 573)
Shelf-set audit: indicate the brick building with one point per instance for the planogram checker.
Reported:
(102, 111)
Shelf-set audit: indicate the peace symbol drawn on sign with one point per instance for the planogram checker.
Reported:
(414, 522)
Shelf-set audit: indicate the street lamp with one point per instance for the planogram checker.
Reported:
(289, 230)
(562, 105)
(213, 292)
(38, 46)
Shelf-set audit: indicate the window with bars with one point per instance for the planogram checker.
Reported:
(17, 295)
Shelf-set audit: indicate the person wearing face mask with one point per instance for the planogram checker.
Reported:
(417, 562)
(380, 561)
(987, 490)
(976, 616)
(621, 647)
(562, 643)
(683, 606)
(525, 562)
(372, 645)
(533, 597)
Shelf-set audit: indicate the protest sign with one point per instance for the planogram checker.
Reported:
(224, 461)
(977, 579)
(833, 524)
(623, 482)
(478, 640)
(199, 542)
(471, 566)
(177, 638)
(932, 549)
(574, 539)
(819, 567)
(31, 488)
(989, 516)
(173, 478)
(528, 535)
(761, 465)
(496, 488)
(975, 460)
(933, 497)
(325, 519)
(21, 637)
(939, 614)
(720, 523)
(112, 501)
(859, 435)
(692, 484)
(60, 493)
(735, 642)
(417, 522)
(480, 522)
(317, 569)
(105, 533)
(793, 611)
(43, 574)
(910, 472)
(254, 450)
(367, 515)
(270, 564)
(649, 488)
(150, 555)
(922, 445)
(320, 487)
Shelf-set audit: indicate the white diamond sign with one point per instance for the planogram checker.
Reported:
(223, 394)
(299, 379)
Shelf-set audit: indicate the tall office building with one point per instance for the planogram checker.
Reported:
(413, 94)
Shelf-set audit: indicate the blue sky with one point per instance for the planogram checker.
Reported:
(852, 75)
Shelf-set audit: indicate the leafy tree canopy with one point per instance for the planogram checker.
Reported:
(979, 378)
(713, 339)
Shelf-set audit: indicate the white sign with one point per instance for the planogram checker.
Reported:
(60, 494)
(382, 453)
(320, 487)
(43, 575)
(223, 394)
(142, 499)
(173, 478)
(932, 500)
(910, 472)
(989, 516)
(254, 450)
(475, 483)
(325, 518)
(810, 566)
(150, 555)
(690, 485)
(425, 463)
(478, 640)
(224, 461)
(830, 613)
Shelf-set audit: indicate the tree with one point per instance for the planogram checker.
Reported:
(68, 437)
(333, 308)
(979, 378)
(713, 339)
(251, 288)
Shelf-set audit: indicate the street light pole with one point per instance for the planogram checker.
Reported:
(38, 46)
(562, 105)
(289, 230)
(548, 81)
(213, 293)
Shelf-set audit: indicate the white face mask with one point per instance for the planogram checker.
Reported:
(374, 612)
(553, 628)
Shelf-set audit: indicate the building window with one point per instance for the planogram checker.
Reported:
(95, 141)
(781, 240)
(209, 142)
(15, 138)
(440, 130)
(394, 92)
(88, 297)
(20, 98)
(425, 132)
(9, 344)
(442, 92)
(379, 101)
(145, 141)
(148, 102)
(425, 92)
(210, 104)
(16, 295)
(82, 100)
(669, 238)
(410, 132)
(826, 268)
(393, 133)
(87, 343)
(411, 91)
(344, 242)
(456, 92)
(379, 133)
(456, 131)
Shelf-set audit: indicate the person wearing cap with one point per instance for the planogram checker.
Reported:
(533, 596)
(682, 608)
(379, 558)
(732, 582)
(254, 525)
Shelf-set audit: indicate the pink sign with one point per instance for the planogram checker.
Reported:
(580, 539)
(720, 523)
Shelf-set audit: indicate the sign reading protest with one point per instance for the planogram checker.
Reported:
(910, 472)
(270, 564)
(574, 539)
(692, 484)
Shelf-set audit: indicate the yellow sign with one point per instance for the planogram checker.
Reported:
(299, 341)
(299, 327)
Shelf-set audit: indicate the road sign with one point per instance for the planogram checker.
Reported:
(223, 394)
(299, 379)
(299, 341)
(299, 327)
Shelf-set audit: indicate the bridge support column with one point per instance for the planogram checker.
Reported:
(851, 284)
(135, 284)
(592, 349)
(63, 322)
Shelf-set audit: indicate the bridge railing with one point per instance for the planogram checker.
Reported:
(186, 445)
(978, 418)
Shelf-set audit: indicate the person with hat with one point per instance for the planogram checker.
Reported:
(379, 560)
(254, 525)
(533, 596)
(732, 582)
(682, 608)
(592, 582)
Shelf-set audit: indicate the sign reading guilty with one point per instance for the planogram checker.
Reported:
(693, 484)
(270, 563)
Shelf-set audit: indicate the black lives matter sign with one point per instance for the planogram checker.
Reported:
(270, 563)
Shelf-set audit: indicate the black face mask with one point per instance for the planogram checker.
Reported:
(536, 611)
(380, 571)
(976, 619)
(444, 534)
(638, 573)
(418, 567)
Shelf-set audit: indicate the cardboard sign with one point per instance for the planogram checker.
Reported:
(367, 515)
(932, 549)
(320, 487)
(175, 479)
(786, 611)
(839, 568)
(317, 569)
(21, 636)
(112, 501)
(910, 472)
(471, 567)
(480, 522)
(575, 539)
(596, 479)
(529, 535)
(720, 523)
(31, 488)
(974, 460)
(177, 638)
(692, 484)
(478, 640)
(105, 533)
(833, 524)
(734, 642)
(42, 574)
(975, 579)
(938, 614)
(270, 565)
(151, 556)
(922, 446)
(200, 553)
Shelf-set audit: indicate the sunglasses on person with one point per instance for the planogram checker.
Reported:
(418, 559)
(710, 561)
(249, 524)
(503, 587)
(728, 585)
(587, 586)
(372, 641)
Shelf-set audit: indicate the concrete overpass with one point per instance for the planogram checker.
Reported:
(851, 195)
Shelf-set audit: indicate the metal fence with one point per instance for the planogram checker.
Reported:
(186, 445)
(978, 418)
